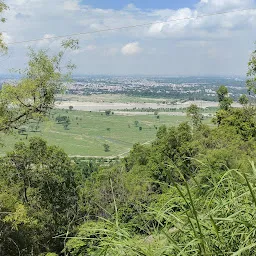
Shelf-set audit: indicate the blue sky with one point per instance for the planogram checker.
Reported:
(213, 45)
(143, 4)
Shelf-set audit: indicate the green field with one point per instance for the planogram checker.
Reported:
(89, 131)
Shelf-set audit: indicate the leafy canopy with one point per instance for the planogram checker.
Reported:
(3, 7)
(34, 95)
(251, 74)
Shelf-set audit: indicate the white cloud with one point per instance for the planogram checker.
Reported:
(71, 5)
(187, 46)
(175, 23)
(131, 49)
(222, 5)
(188, 23)
(111, 51)
(91, 47)
(131, 7)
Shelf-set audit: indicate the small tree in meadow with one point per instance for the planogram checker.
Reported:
(106, 147)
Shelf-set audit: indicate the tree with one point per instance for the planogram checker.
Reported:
(71, 108)
(222, 92)
(106, 147)
(66, 123)
(224, 100)
(107, 112)
(241, 119)
(243, 100)
(40, 181)
(34, 95)
(251, 74)
(3, 7)
(193, 111)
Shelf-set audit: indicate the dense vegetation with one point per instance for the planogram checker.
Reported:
(190, 192)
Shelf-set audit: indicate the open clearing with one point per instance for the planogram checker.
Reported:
(131, 121)
(89, 131)
(126, 103)
(101, 106)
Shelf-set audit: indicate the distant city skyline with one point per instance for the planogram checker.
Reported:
(211, 46)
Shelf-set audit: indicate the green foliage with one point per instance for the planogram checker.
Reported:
(185, 193)
(222, 92)
(107, 112)
(64, 120)
(136, 123)
(173, 148)
(87, 137)
(106, 147)
(42, 188)
(190, 192)
(139, 155)
(3, 7)
(218, 222)
(224, 100)
(193, 111)
(84, 169)
(34, 96)
(242, 119)
(251, 74)
(243, 100)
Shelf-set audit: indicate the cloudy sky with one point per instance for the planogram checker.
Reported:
(212, 45)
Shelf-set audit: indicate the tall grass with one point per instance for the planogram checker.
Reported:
(194, 219)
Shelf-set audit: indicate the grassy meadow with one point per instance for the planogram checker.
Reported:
(88, 131)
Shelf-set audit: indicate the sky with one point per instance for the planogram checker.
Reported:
(142, 4)
(177, 41)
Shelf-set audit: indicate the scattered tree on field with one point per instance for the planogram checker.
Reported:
(106, 147)
(107, 112)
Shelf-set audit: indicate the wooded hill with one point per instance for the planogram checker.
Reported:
(191, 192)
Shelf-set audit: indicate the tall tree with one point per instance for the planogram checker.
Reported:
(41, 201)
(34, 95)
(251, 74)
(3, 7)
(193, 111)
(224, 100)
(243, 100)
